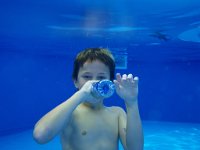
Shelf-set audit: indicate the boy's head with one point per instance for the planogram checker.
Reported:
(93, 54)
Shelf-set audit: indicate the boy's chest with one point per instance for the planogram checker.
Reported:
(92, 131)
(95, 124)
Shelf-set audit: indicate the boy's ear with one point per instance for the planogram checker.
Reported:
(75, 83)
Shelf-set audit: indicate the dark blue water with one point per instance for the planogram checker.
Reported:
(158, 41)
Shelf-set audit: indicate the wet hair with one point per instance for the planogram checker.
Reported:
(92, 54)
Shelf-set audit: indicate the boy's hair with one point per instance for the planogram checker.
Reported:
(91, 54)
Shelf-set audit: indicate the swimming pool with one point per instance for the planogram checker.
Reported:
(158, 41)
(158, 136)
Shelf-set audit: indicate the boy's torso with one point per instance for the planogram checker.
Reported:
(92, 130)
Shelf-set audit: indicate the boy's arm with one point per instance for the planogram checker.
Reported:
(134, 132)
(130, 128)
(53, 122)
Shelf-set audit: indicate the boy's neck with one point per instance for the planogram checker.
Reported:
(96, 106)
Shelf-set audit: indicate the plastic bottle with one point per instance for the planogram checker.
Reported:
(103, 89)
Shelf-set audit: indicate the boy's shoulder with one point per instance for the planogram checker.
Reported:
(116, 109)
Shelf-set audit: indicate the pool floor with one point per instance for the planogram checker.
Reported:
(158, 136)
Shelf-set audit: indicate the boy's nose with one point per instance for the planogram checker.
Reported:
(96, 79)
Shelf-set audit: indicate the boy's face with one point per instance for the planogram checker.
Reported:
(95, 70)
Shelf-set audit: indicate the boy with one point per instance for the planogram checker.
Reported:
(82, 121)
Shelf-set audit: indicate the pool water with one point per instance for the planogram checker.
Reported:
(158, 136)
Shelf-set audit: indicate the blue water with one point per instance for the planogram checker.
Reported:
(159, 41)
(158, 136)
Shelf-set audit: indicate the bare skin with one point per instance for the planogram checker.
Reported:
(84, 123)
(92, 129)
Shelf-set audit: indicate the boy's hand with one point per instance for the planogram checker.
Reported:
(86, 91)
(127, 87)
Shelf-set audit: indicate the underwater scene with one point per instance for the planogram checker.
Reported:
(158, 41)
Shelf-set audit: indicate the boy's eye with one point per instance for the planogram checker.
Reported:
(87, 77)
